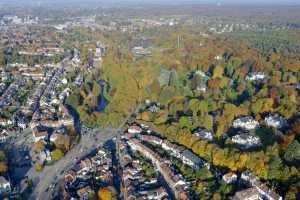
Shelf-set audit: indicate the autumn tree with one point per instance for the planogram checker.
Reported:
(57, 154)
(106, 194)
(218, 72)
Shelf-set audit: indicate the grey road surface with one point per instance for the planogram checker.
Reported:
(51, 174)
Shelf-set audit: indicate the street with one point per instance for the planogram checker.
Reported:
(51, 174)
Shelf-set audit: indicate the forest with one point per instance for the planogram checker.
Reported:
(201, 82)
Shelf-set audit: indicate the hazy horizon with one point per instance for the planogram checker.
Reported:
(140, 2)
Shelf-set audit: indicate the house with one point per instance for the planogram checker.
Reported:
(45, 156)
(5, 186)
(174, 149)
(152, 139)
(191, 159)
(229, 177)
(246, 140)
(247, 194)
(247, 123)
(168, 146)
(218, 57)
(298, 86)
(39, 134)
(64, 81)
(70, 177)
(141, 51)
(199, 81)
(22, 124)
(134, 129)
(34, 75)
(255, 76)
(3, 136)
(69, 121)
(204, 134)
(276, 121)
(5, 122)
(54, 137)
(267, 193)
(86, 165)
(249, 177)
(78, 80)
(84, 193)
(156, 194)
(264, 191)
(153, 108)
(175, 182)
(33, 124)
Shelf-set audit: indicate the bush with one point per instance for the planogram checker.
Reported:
(38, 167)
(57, 154)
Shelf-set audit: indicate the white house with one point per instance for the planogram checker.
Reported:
(39, 135)
(3, 135)
(264, 191)
(247, 123)
(191, 159)
(5, 122)
(255, 76)
(154, 108)
(22, 124)
(134, 129)
(64, 81)
(218, 57)
(204, 134)
(276, 121)
(247, 194)
(246, 140)
(5, 186)
(229, 177)
(156, 194)
(54, 137)
(45, 156)
(250, 177)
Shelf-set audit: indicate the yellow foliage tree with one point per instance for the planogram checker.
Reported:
(105, 194)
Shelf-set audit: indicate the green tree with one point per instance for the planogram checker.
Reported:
(167, 94)
(232, 65)
(173, 80)
(194, 105)
(73, 100)
(185, 122)
(275, 168)
(204, 174)
(2, 58)
(161, 118)
(293, 152)
(2, 156)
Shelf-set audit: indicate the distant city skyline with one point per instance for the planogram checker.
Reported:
(171, 2)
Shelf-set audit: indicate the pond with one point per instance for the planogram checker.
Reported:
(102, 101)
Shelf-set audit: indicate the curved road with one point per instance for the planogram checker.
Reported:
(51, 174)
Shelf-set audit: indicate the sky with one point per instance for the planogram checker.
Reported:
(166, 2)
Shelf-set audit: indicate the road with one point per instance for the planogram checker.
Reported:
(52, 174)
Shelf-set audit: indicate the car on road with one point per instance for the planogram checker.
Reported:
(52, 186)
